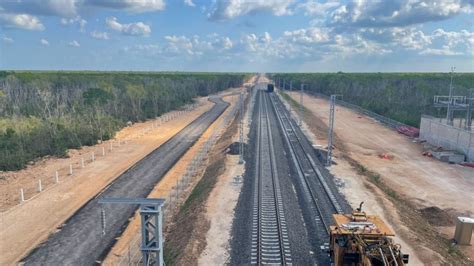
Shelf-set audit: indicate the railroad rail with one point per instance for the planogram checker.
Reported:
(314, 185)
(270, 243)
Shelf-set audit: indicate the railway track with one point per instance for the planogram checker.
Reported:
(269, 244)
(313, 183)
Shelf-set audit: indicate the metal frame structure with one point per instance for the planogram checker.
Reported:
(456, 103)
(151, 227)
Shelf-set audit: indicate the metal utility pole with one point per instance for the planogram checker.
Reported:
(151, 227)
(291, 85)
(301, 105)
(331, 129)
(241, 146)
(449, 115)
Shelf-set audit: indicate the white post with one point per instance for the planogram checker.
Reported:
(103, 151)
(70, 169)
(82, 162)
(93, 156)
(56, 177)
(22, 196)
(111, 147)
(40, 187)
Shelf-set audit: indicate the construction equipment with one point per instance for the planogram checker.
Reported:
(270, 87)
(359, 239)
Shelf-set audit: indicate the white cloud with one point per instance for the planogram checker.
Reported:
(445, 51)
(100, 35)
(81, 22)
(74, 43)
(44, 42)
(189, 3)
(228, 9)
(307, 36)
(60, 8)
(312, 7)
(21, 21)
(135, 6)
(132, 29)
(358, 13)
(7, 39)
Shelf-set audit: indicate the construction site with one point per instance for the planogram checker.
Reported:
(260, 174)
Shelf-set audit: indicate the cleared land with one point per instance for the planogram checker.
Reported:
(80, 240)
(35, 219)
(166, 188)
(425, 182)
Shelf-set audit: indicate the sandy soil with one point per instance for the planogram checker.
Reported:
(221, 204)
(26, 225)
(166, 189)
(426, 182)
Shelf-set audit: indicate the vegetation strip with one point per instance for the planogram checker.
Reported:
(403, 97)
(46, 113)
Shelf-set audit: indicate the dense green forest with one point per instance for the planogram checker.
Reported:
(401, 96)
(46, 113)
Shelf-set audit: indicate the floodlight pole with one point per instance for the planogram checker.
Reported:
(331, 129)
(301, 104)
(449, 115)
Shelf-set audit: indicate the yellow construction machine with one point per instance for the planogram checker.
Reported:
(358, 239)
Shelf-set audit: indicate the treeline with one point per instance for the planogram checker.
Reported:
(46, 113)
(401, 96)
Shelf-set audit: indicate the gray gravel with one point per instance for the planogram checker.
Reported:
(80, 240)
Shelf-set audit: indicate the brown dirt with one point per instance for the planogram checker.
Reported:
(396, 188)
(166, 189)
(436, 216)
(26, 225)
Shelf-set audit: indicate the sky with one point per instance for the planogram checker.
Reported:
(238, 35)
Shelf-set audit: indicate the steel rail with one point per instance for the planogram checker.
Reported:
(296, 148)
(269, 234)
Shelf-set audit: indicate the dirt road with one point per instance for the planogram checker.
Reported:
(36, 218)
(425, 182)
(80, 240)
(166, 189)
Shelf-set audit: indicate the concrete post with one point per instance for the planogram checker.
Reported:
(111, 147)
(82, 162)
(70, 169)
(40, 186)
(93, 156)
(103, 151)
(22, 196)
(56, 177)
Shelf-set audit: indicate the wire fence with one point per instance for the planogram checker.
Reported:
(184, 184)
(41, 184)
(382, 119)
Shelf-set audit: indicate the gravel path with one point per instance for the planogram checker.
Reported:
(80, 240)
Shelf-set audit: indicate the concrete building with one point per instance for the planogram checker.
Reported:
(449, 137)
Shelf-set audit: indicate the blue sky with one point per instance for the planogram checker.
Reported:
(237, 35)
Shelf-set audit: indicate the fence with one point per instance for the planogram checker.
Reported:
(173, 200)
(41, 184)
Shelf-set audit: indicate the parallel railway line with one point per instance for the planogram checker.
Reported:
(270, 244)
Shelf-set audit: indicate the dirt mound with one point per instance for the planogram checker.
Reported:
(436, 216)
